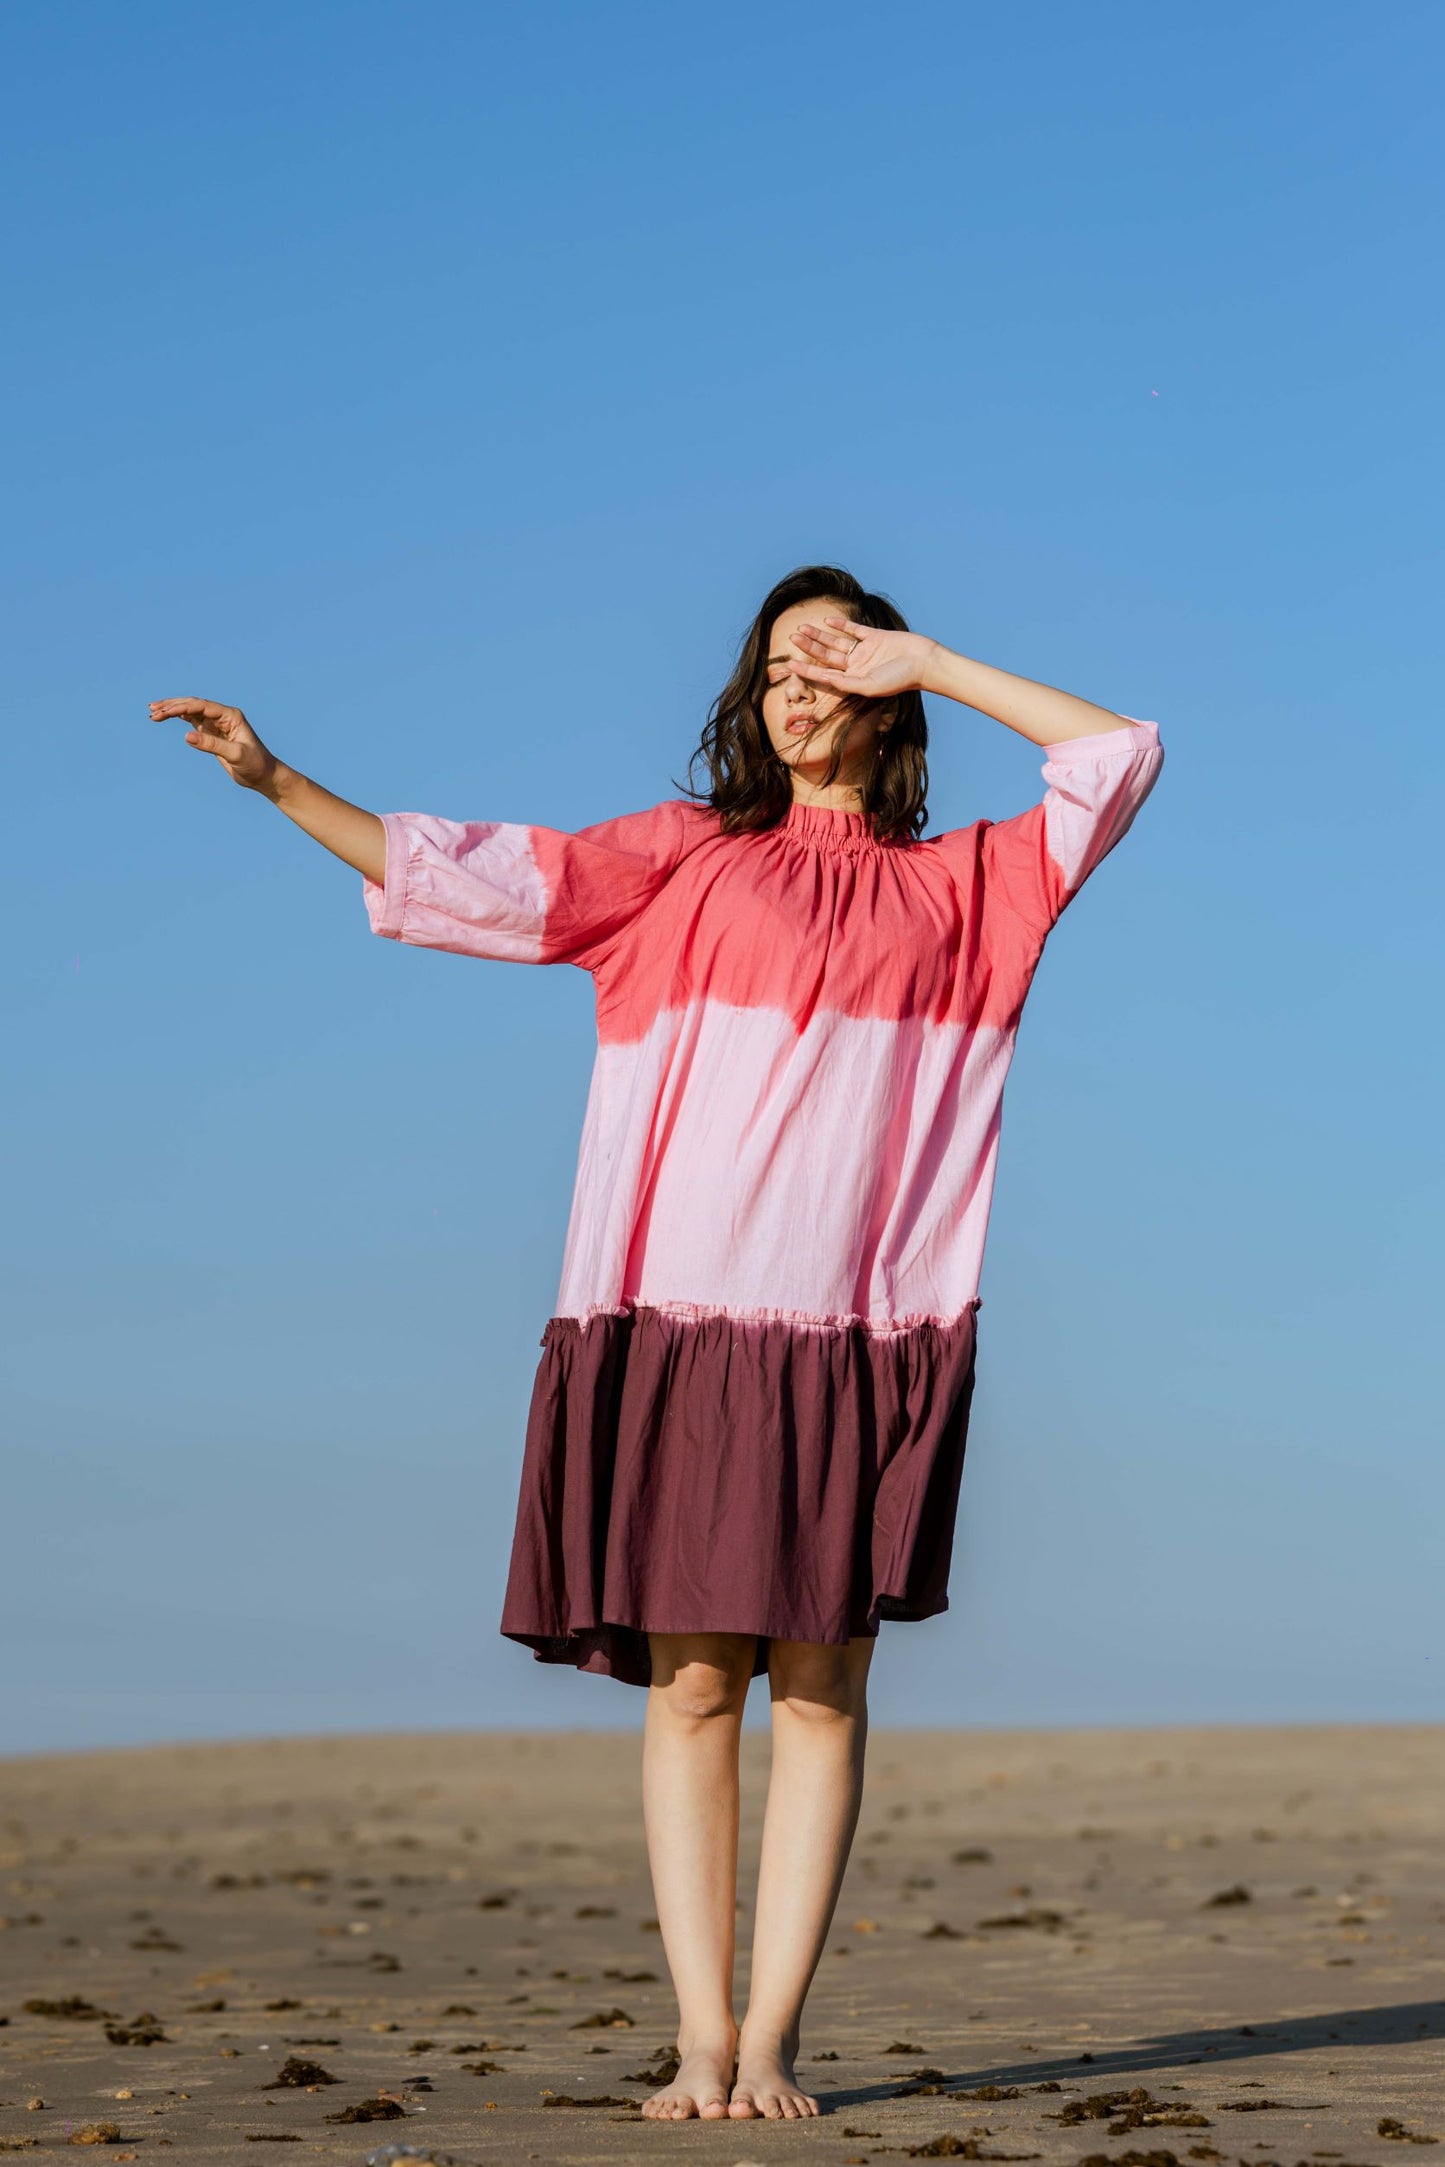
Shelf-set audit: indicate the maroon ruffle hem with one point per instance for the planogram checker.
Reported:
(717, 1474)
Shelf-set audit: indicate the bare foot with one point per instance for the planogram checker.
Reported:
(766, 2087)
(701, 2086)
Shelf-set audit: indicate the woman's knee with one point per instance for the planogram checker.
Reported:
(699, 1676)
(817, 1683)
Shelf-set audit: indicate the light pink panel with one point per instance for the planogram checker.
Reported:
(473, 887)
(731, 1162)
(1096, 786)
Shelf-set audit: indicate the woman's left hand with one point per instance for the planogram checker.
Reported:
(860, 659)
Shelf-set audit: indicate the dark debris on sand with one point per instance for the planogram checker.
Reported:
(73, 2006)
(597, 2099)
(1129, 2110)
(1257, 2106)
(1159, 2158)
(144, 2030)
(382, 2108)
(297, 2072)
(666, 2062)
(950, 2147)
(1036, 1915)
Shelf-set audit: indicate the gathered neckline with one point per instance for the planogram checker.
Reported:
(827, 827)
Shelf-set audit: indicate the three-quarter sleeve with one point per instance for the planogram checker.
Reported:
(521, 894)
(1039, 860)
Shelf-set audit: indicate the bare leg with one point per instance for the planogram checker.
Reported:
(820, 1730)
(690, 1808)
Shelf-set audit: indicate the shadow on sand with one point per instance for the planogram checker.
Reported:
(1397, 2024)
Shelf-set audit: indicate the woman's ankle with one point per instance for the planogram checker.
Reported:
(720, 2036)
(764, 2035)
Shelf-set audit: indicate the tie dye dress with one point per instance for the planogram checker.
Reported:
(752, 1404)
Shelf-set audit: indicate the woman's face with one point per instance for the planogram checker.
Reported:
(802, 719)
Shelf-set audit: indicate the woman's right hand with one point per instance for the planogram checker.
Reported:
(224, 732)
(348, 831)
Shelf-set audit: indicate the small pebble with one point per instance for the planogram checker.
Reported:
(422, 2154)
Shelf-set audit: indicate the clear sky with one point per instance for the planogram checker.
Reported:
(445, 384)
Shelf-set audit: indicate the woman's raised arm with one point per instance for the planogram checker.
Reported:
(859, 659)
(355, 836)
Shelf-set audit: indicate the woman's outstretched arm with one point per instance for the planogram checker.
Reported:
(859, 659)
(357, 837)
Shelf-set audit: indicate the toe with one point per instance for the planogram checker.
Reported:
(662, 2108)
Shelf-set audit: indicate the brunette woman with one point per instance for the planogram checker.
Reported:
(747, 1428)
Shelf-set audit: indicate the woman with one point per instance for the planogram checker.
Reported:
(747, 1429)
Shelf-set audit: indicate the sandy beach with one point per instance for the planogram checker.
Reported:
(1148, 1947)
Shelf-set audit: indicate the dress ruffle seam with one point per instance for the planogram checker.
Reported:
(704, 1313)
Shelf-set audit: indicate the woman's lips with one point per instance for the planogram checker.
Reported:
(800, 726)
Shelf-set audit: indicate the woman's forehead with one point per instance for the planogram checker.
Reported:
(801, 613)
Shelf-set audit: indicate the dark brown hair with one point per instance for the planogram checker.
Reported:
(749, 785)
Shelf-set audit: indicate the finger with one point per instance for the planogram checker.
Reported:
(827, 644)
(207, 741)
(196, 709)
(854, 630)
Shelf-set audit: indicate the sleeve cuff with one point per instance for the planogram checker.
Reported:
(1103, 743)
(386, 899)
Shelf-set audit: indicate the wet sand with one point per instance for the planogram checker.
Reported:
(1132, 1946)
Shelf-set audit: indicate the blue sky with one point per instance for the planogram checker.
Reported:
(445, 385)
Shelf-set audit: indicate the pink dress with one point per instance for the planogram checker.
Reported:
(752, 1404)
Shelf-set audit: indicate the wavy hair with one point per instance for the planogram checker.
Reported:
(749, 785)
